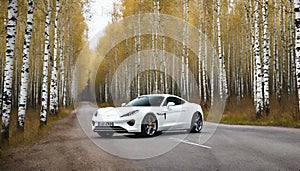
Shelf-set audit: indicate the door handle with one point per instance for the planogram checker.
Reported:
(164, 114)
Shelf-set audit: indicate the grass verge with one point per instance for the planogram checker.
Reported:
(32, 131)
(282, 113)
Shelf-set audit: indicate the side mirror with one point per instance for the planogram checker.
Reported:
(123, 104)
(170, 104)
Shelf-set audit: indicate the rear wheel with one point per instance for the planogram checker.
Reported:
(196, 123)
(105, 134)
(149, 125)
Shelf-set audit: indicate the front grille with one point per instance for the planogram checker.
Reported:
(110, 129)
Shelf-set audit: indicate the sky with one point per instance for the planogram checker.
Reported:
(101, 10)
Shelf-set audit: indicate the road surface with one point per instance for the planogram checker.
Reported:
(71, 146)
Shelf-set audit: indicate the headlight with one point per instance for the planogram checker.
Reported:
(96, 113)
(130, 113)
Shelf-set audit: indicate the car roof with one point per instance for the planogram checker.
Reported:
(164, 95)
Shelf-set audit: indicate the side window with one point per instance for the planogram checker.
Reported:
(175, 100)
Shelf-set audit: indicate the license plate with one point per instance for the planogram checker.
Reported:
(105, 124)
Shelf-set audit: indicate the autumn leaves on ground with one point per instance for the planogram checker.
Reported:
(252, 66)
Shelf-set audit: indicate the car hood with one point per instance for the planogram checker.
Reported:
(119, 111)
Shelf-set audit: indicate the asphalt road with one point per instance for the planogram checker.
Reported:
(229, 148)
(72, 145)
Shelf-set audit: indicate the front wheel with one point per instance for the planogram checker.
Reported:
(149, 126)
(105, 134)
(196, 123)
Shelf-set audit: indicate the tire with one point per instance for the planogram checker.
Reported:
(106, 134)
(196, 123)
(149, 126)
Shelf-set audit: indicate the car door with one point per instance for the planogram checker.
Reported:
(172, 114)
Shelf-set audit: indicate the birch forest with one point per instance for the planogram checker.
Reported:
(255, 69)
(40, 41)
(257, 55)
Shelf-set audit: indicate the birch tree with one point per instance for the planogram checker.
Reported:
(44, 91)
(291, 59)
(9, 65)
(154, 50)
(297, 46)
(184, 58)
(62, 72)
(258, 74)
(222, 77)
(276, 74)
(213, 59)
(204, 63)
(253, 69)
(186, 36)
(230, 6)
(54, 80)
(25, 65)
(139, 51)
(220, 49)
(199, 51)
(2, 68)
(283, 48)
(266, 56)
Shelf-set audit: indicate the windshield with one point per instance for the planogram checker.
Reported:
(146, 101)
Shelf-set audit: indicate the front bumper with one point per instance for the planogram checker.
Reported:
(119, 126)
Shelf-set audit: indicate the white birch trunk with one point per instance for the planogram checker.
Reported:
(213, 59)
(297, 45)
(127, 72)
(184, 53)
(241, 83)
(54, 80)
(62, 72)
(276, 57)
(166, 89)
(155, 43)
(204, 71)
(292, 35)
(186, 49)
(9, 65)
(44, 101)
(230, 6)
(219, 49)
(116, 93)
(222, 72)
(106, 88)
(2, 72)
(291, 54)
(199, 51)
(283, 47)
(204, 63)
(139, 52)
(161, 64)
(173, 70)
(258, 74)
(266, 56)
(25, 66)
(224, 78)
(253, 70)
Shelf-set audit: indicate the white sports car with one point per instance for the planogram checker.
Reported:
(148, 115)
